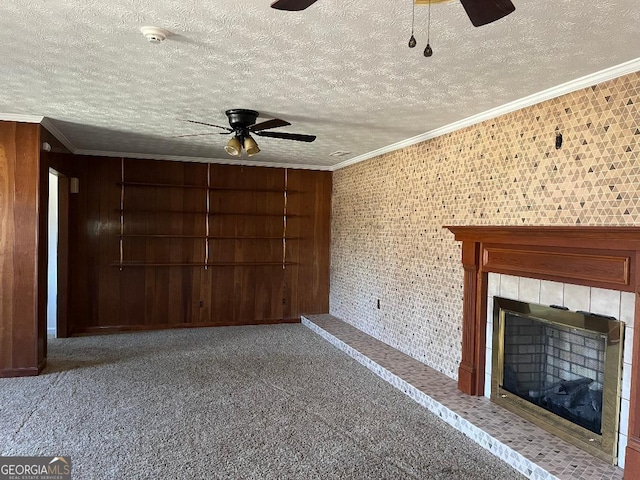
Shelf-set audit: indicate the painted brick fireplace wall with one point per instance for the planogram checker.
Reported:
(387, 237)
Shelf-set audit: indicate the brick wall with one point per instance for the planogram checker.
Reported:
(542, 354)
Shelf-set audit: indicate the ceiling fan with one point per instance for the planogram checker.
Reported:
(480, 12)
(243, 124)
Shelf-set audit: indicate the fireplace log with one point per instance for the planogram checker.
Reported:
(563, 387)
(576, 395)
(596, 400)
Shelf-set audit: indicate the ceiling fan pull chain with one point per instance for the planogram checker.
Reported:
(412, 40)
(428, 51)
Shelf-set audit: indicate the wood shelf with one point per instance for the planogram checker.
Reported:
(161, 185)
(260, 190)
(181, 212)
(211, 214)
(204, 187)
(229, 214)
(202, 264)
(211, 237)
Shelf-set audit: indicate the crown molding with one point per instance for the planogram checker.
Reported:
(223, 161)
(554, 92)
(53, 130)
(18, 117)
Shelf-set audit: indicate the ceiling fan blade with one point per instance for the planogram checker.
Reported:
(287, 136)
(197, 135)
(276, 122)
(481, 12)
(292, 5)
(211, 125)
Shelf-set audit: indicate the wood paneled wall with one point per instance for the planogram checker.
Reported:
(244, 283)
(23, 250)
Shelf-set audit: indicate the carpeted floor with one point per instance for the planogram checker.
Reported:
(268, 402)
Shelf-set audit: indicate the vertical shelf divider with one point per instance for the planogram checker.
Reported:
(284, 221)
(121, 211)
(206, 240)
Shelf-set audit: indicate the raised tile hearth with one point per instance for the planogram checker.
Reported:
(529, 449)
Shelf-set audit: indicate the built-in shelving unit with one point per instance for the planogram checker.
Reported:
(130, 217)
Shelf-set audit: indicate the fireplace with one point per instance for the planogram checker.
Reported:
(598, 259)
(561, 370)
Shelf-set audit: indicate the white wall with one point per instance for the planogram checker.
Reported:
(53, 255)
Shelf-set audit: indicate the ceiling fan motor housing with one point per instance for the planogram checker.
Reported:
(241, 119)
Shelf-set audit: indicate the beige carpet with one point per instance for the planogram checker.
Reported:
(269, 402)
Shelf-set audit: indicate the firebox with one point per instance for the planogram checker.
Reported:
(560, 370)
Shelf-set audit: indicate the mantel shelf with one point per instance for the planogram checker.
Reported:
(601, 237)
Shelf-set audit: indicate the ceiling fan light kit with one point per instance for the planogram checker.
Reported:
(233, 147)
(250, 146)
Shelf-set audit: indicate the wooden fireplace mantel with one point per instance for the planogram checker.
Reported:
(604, 257)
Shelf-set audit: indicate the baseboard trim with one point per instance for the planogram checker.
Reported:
(20, 372)
(147, 328)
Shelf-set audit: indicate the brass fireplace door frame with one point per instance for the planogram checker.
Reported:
(602, 446)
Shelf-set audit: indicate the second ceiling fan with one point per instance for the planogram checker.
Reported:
(480, 12)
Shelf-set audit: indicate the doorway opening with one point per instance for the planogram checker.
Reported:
(52, 262)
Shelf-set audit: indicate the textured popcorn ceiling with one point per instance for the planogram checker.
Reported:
(340, 70)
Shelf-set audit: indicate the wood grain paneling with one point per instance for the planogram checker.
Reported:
(632, 459)
(23, 246)
(314, 232)
(467, 377)
(244, 283)
(607, 271)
